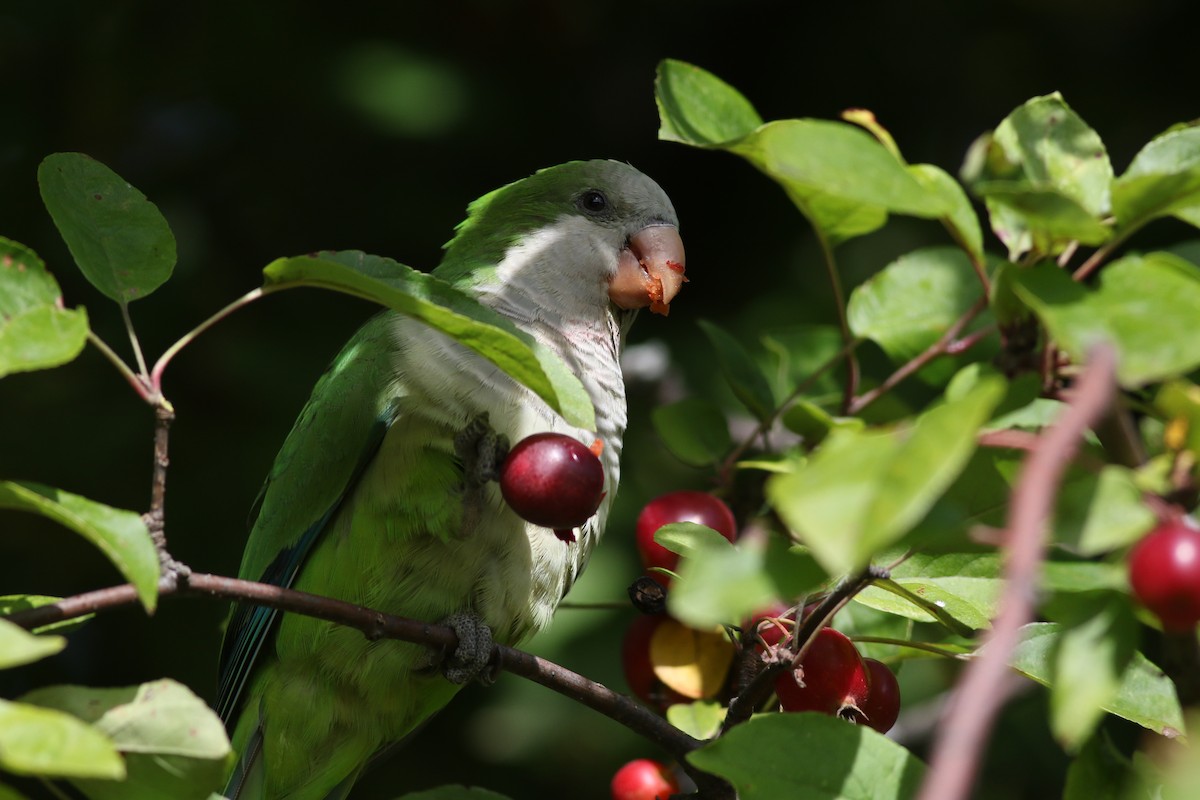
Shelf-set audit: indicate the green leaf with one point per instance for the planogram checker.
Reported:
(1046, 177)
(696, 107)
(689, 538)
(18, 646)
(12, 603)
(44, 742)
(815, 757)
(448, 310)
(1098, 771)
(694, 430)
(950, 588)
(960, 219)
(7, 793)
(700, 719)
(35, 331)
(815, 423)
(1163, 179)
(1098, 513)
(120, 535)
(862, 491)
(744, 377)
(1146, 306)
(174, 745)
(839, 176)
(720, 584)
(1093, 652)
(455, 793)
(1145, 695)
(118, 238)
(911, 302)
(793, 353)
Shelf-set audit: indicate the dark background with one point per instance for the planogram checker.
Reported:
(268, 129)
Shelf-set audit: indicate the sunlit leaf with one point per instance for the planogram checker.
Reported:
(36, 332)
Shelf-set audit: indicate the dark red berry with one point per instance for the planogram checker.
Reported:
(1164, 571)
(831, 678)
(883, 703)
(553, 480)
(684, 506)
(644, 779)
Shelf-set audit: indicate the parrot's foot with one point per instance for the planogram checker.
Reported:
(481, 450)
(469, 661)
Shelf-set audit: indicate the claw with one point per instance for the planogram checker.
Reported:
(481, 450)
(469, 661)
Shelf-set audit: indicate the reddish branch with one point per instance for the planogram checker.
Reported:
(377, 625)
(959, 746)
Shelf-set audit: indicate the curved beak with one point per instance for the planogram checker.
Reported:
(650, 270)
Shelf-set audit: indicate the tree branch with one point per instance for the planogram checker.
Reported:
(377, 625)
(958, 748)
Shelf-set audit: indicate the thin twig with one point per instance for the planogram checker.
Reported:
(190, 336)
(1097, 258)
(957, 750)
(839, 302)
(934, 350)
(133, 341)
(128, 374)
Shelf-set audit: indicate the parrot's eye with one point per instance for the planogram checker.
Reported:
(593, 201)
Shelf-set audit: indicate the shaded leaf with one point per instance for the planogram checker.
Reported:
(120, 535)
(35, 331)
(119, 239)
(1163, 179)
(18, 646)
(825, 759)
(1145, 695)
(1146, 306)
(746, 380)
(455, 793)
(174, 744)
(45, 742)
(12, 603)
(448, 310)
(1098, 513)
(694, 430)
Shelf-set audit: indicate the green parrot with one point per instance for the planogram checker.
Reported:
(381, 495)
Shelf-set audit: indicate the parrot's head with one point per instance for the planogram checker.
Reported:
(577, 240)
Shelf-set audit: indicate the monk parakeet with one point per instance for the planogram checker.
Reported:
(376, 497)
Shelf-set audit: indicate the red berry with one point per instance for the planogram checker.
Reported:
(639, 670)
(1164, 570)
(831, 678)
(643, 779)
(553, 480)
(685, 506)
(883, 703)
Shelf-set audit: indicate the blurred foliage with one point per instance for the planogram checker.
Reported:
(271, 129)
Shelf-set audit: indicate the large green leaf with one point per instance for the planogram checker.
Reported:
(1101, 512)
(448, 310)
(1098, 772)
(35, 331)
(909, 304)
(960, 218)
(44, 742)
(1146, 306)
(1093, 653)
(1164, 179)
(1046, 177)
(696, 107)
(810, 756)
(1144, 694)
(121, 535)
(839, 176)
(862, 491)
(962, 586)
(118, 238)
(18, 646)
(174, 744)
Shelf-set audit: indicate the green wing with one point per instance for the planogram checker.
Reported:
(335, 437)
